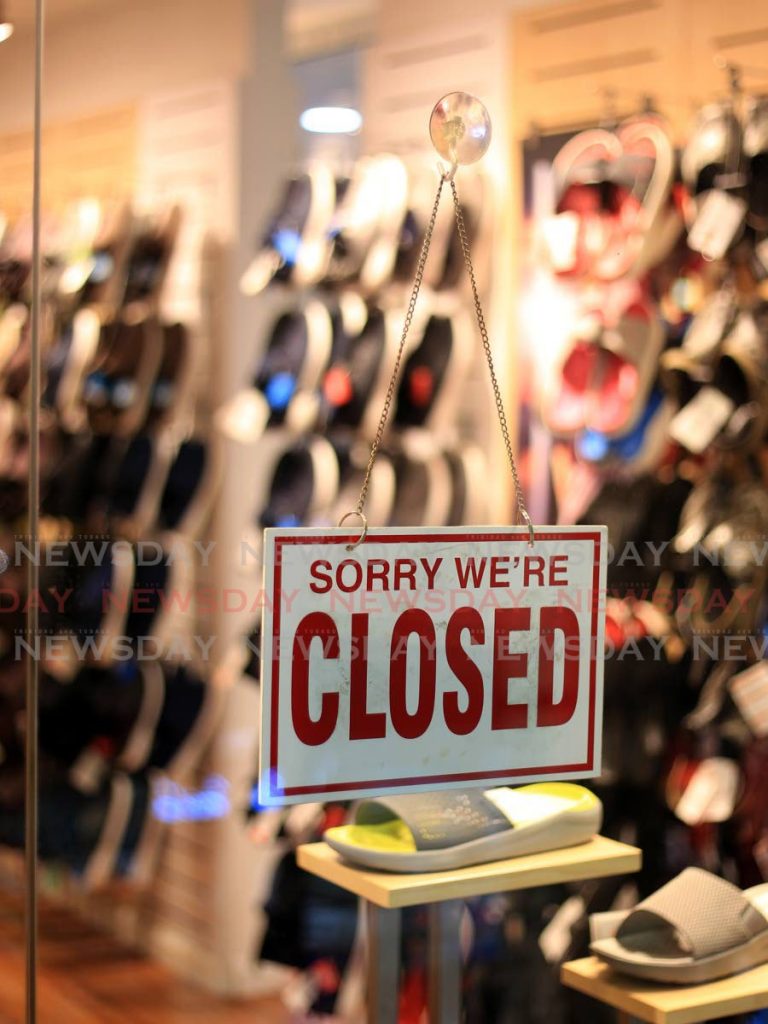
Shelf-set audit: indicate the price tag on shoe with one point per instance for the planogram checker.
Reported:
(699, 422)
(718, 224)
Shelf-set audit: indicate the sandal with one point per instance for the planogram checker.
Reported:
(614, 216)
(299, 347)
(696, 928)
(447, 830)
(294, 248)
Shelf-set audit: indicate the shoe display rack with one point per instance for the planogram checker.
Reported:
(385, 894)
(658, 1004)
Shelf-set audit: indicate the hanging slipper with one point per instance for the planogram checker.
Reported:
(653, 228)
(191, 485)
(696, 928)
(630, 360)
(686, 369)
(641, 448)
(578, 231)
(381, 488)
(614, 190)
(367, 230)
(148, 260)
(172, 395)
(756, 154)
(447, 830)
(740, 373)
(94, 277)
(354, 387)
(712, 170)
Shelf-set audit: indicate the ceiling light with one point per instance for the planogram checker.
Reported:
(6, 26)
(331, 120)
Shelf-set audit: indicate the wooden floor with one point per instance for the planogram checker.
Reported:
(87, 978)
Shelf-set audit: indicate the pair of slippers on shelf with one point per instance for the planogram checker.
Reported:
(378, 229)
(149, 483)
(718, 377)
(335, 367)
(615, 214)
(364, 231)
(315, 482)
(725, 169)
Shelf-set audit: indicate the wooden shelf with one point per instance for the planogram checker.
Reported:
(596, 859)
(665, 1004)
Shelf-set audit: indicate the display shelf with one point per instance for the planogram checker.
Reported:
(596, 859)
(384, 895)
(664, 1004)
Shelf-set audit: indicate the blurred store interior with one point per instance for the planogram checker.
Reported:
(234, 200)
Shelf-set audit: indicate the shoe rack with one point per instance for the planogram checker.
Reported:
(171, 147)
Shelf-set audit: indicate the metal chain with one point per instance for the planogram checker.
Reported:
(403, 337)
(522, 510)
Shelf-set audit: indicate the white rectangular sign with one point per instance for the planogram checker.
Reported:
(428, 659)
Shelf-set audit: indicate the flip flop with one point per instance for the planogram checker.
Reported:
(435, 374)
(190, 488)
(149, 258)
(696, 928)
(117, 389)
(422, 486)
(614, 216)
(447, 830)
(294, 248)
(365, 233)
(381, 488)
(299, 346)
(469, 501)
(303, 484)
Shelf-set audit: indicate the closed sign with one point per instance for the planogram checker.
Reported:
(428, 659)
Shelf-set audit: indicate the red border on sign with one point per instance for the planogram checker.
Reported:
(442, 538)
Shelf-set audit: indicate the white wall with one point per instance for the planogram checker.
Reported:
(106, 57)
